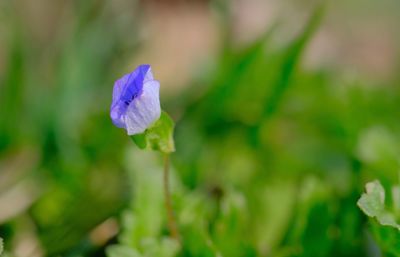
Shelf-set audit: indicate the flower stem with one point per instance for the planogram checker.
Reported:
(168, 202)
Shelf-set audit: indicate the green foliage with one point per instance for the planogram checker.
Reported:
(159, 136)
(386, 230)
(270, 158)
(122, 251)
(143, 224)
(372, 203)
(291, 57)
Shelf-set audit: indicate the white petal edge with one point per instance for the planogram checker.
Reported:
(144, 110)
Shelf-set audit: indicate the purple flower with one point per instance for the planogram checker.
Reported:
(136, 104)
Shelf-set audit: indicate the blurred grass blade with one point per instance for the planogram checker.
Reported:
(11, 91)
(289, 64)
(232, 68)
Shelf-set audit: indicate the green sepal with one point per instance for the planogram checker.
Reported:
(140, 140)
(158, 136)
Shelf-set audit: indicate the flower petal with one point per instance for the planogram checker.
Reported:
(143, 110)
(126, 89)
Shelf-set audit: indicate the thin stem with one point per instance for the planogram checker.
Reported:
(168, 203)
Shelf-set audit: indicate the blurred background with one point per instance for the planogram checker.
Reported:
(283, 111)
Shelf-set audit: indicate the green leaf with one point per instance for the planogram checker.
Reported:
(159, 136)
(164, 247)
(372, 203)
(121, 251)
(1, 245)
(292, 57)
(145, 218)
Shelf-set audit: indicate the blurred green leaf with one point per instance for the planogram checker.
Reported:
(378, 148)
(121, 251)
(293, 54)
(230, 229)
(387, 238)
(146, 216)
(385, 230)
(12, 89)
(195, 216)
(309, 233)
(144, 223)
(372, 203)
(163, 247)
